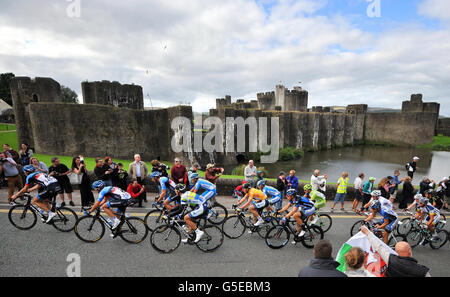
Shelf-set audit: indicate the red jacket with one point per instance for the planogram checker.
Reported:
(134, 191)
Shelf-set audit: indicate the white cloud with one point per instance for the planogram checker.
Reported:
(205, 49)
(438, 9)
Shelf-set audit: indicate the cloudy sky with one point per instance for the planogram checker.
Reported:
(198, 50)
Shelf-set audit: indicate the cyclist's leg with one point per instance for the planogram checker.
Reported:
(298, 218)
(254, 211)
(188, 218)
(107, 209)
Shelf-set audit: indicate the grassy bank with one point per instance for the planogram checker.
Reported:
(440, 143)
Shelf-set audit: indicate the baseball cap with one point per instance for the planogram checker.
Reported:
(416, 158)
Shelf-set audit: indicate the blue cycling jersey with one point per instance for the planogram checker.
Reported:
(304, 203)
(166, 183)
(204, 184)
(388, 214)
(115, 192)
(270, 191)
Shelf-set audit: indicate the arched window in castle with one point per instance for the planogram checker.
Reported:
(35, 98)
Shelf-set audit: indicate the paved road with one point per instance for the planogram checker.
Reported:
(43, 250)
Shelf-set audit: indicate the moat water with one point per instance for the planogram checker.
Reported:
(371, 160)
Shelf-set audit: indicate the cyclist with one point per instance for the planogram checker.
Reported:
(389, 219)
(416, 202)
(47, 186)
(238, 193)
(303, 208)
(179, 190)
(198, 206)
(258, 202)
(376, 196)
(166, 186)
(430, 214)
(274, 194)
(200, 183)
(109, 197)
(316, 196)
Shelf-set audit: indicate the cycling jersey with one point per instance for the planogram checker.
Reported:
(275, 195)
(175, 199)
(429, 210)
(195, 201)
(305, 206)
(255, 194)
(384, 202)
(319, 199)
(210, 188)
(388, 214)
(166, 184)
(42, 179)
(113, 193)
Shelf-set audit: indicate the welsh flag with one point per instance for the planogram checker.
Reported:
(373, 263)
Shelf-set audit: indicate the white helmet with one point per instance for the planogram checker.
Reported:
(418, 196)
(376, 193)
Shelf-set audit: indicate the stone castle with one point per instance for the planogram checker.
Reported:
(112, 121)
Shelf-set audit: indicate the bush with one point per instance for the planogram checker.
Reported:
(289, 153)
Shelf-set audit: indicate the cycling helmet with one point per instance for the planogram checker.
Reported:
(246, 186)
(307, 187)
(29, 169)
(375, 204)
(155, 174)
(180, 187)
(376, 193)
(290, 192)
(423, 200)
(99, 184)
(418, 196)
(243, 182)
(194, 175)
(429, 191)
(261, 183)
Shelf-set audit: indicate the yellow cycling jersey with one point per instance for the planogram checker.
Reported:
(256, 194)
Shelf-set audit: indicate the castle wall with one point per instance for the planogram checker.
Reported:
(113, 93)
(443, 127)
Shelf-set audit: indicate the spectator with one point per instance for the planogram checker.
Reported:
(318, 182)
(323, 264)
(407, 194)
(122, 176)
(341, 190)
(103, 171)
(178, 172)
(211, 172)
(401, 265)
(354, 259)
(250, 172)
(292, 181)
(25, 154)
(358, 185)
(367, 189)
(444, 191)
(138, 170)
(10, 153)
(259, 176)
(136, 191)
(238, 192)
(411, 167)
(193, 169)
(394, 185)
(425, 185)
(60, 172)
(161, 167)
(9, 168)
(113, 175)
(79, 167)
(281, 187)
(40, 166)
(383, 186)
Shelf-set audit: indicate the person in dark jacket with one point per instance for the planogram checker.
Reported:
(407, 194)
(323, 264)
(401, 265)
(281, 187)
(426, 184)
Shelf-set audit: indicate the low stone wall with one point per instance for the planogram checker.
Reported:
(443, 127)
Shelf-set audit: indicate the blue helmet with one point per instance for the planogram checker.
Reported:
(194, 175)
(375, 204)
(29, 169)
(261, 183)
(291, 192)
(155, 174)
(99, 184)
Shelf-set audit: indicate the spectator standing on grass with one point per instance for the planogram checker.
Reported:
(178, 172)
(213, 173)
(400, 265)
(40, 166)
(138, 170)
(318, 182)
(250, 172)
(411, 167)
(9, 168)
(122, 176)
(323, 264)
(358, 185)
(354, 259)
(60, 172)
(79, 167)
(281, 187)
(25, 154)
(103, 172)
(341, 190)
(425, 185)
(407, 193)
(367, 189)
(10, 153)
(383, 186)
(136, 191)
(292, 181)
(113, 167)
(160, 167)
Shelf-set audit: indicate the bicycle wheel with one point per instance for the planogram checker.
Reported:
(233, 227)
(22, 217)
(394, 239)
(153, 219)
(219, 214)
(264, 228)
(211, 240)
(442, 237)
(65, 219)
(277, 237)
(165, 239)
(324, 222)
(404, 226)
(414, 237)
(133, 230)
(312, 236)
(89, 229)
(357, 226)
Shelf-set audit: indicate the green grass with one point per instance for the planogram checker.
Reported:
(9, 138)
(440, 143)
(7, 127)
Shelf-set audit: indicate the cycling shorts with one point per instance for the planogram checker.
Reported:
(199, 210)
(308, 212)
(274, 199)
(51, 191)
(207, 195)
(117, 202)
(391, 226)
(261, 204)
(436, 219)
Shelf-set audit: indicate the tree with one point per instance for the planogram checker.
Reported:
(68, 95)
(5, 91)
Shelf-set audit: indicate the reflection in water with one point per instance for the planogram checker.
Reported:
(372, 160)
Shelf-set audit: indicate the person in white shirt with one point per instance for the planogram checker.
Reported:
(250, 172)
(358, 185)
(318, 182)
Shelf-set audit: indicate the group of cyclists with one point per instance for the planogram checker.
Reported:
(188, 204)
